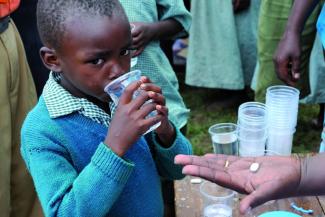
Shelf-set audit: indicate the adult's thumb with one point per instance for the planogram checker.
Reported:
(250, 201)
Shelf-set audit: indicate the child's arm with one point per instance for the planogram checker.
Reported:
(144, 33)
(164, 156)
(167, 141)
(174, 21)
(62, 190)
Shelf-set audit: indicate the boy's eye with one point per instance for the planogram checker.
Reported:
(97, 61)
(125, 52)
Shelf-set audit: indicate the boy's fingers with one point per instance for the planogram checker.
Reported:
(150, 121)
(162, 109)
(129, 91)
(157, 98)
(150, 87)
(146, 109)
(140, 100)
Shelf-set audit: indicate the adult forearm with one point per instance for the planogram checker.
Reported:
(300, 12)
(312, 175)
(166, 29)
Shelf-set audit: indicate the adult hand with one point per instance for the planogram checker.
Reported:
(276, 177)
(142, 35)
(129, 121)
(287, 58)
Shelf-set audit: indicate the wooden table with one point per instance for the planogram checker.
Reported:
(188, 202)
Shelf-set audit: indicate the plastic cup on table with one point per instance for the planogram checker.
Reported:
(281, 141)
(217, 201)
(282, 104)
(252, 115)
(224, 138)
(251, 148)
(247, 133)
(116, 88)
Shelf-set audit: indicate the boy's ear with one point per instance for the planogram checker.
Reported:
(50, 59)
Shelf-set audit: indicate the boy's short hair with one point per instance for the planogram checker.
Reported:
(53, 14)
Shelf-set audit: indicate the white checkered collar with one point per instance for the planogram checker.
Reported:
(60, 102)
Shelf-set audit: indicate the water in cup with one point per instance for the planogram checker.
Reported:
(217, 210)
(225, 143)
(224, 138)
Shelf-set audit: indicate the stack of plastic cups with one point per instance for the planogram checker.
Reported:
(252, 128)
(282, 104)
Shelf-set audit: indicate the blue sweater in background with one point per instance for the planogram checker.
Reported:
(76, 174)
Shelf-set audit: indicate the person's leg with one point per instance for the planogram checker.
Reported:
(22, 97)
(5, 127)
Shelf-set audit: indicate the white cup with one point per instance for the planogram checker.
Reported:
(280, 141)
(252, 115)
(282, 104)
(247, 147)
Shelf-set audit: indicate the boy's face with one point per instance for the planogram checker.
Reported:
(95, 50)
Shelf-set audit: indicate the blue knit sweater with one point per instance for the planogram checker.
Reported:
(75, 174)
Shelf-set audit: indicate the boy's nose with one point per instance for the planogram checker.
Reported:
(116, 71)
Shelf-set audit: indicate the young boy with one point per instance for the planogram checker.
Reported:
(85, 162)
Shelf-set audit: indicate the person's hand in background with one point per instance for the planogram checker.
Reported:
(142, 35)
(287, 58)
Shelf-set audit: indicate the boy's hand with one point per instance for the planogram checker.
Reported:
(165, 131)
(142, 35)
(129, 121)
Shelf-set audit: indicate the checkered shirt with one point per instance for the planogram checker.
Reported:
(60, 102)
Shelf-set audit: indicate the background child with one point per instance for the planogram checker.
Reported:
(84, 161)
(154, 20)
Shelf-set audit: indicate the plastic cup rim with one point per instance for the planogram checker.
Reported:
(222, 125)
(121, 78)
(232, 194)
(281, 87)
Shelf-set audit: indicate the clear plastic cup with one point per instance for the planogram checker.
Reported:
(282, 91)
(252, 115)
(247, 147)
(280, 140)
(282, 104)
(116, 88)
(224, 138)
(250, 133)
(254, 153)
(217, 201)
